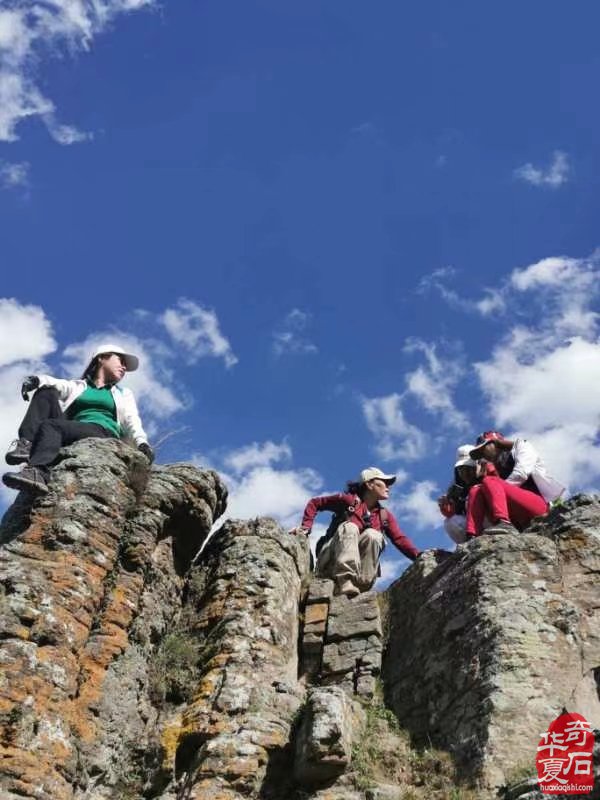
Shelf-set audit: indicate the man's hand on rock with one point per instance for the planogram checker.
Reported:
(145, 448)
(299, 531)
(30, 384)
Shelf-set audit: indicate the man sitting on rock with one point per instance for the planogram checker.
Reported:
(64, 411)
(350, 550)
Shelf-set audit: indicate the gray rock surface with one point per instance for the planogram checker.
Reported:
(134, 665)
(488, 644)
(242, 606)
(91, 576)
(352, 644)
(324, 739)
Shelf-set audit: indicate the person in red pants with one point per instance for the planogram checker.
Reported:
(516, 488)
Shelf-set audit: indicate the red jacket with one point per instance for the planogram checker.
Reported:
(339, 503)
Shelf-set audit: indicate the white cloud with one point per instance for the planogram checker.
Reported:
(152, 384)
(552, 398)
(431, 385)
(419, 505)
(541, 380)
(29, 32)
(259, 486)
(257, 455)
(266, 491)
(25, 332)
(553, 177)
(550, 272)
(26, 337)
(65, 134)
(291, 336)
(437, 281)
(493, 300)
(196, 330)
(563, 289)
(433, 382)
(576, 279)
(395, 437)
(14, 175)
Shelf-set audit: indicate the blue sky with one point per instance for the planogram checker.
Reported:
(339, 233)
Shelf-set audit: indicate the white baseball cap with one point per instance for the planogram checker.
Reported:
(373, 472)
(131, 361)
(463, 456)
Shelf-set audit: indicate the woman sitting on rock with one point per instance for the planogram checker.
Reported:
(516, 489)
(350, 550)
(64, 411)
(453, 504)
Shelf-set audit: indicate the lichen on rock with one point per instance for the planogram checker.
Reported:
(91, 577)
(488, 644)
(142, 657)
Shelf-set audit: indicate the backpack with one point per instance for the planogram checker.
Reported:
(343, 516)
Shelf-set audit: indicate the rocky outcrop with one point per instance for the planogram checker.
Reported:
(141, 657)
(325, 735)
(233, 738)
(341, 639)
(489, 643)
(91, 577)
(136, 666)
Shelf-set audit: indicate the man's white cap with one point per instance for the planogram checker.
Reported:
(372, 472)
(131, 361)
(463, 457)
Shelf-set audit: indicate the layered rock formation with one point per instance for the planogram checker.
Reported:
(132, 666)
(91, 578)
(242, 609)
(135, 665)
(489, 643)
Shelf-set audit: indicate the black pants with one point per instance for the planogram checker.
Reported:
(47, 428)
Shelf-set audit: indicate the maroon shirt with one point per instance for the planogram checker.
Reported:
(339, 503)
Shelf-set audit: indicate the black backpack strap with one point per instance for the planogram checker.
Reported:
(337, 520)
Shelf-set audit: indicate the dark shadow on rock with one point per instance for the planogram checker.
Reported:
(17, 517)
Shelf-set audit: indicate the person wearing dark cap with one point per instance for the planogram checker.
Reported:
(64, 411)
(516, 489)
(349, 552)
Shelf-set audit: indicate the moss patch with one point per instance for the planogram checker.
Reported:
(174, 671)
(383, 754)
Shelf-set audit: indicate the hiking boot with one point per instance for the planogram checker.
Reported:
(501, 527)
(348, 588)
(31, 478)
(19, 452)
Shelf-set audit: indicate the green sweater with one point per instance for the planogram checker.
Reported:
(96, 406)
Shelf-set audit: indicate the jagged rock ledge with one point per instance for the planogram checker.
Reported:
(488, 644)
(133, 666)
(91, 578)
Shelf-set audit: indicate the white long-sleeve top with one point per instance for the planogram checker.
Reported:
(128, 415)
(528, 463)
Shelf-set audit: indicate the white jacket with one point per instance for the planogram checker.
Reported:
(127, 413)
(529, 463)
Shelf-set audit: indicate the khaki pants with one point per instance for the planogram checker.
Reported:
(351, 557)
